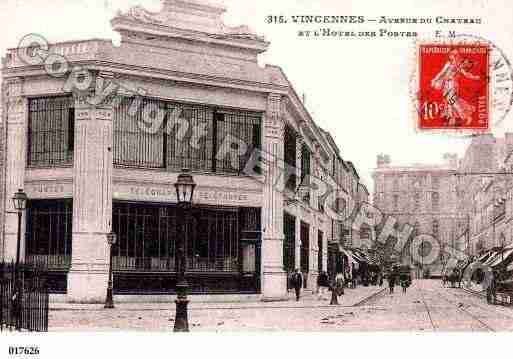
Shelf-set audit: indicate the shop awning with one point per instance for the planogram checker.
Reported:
(501, 257)
(491, 258)
(349, 255)
(358, 256)
(484, 257)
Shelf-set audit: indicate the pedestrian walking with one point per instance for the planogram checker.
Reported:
(337, 288)
(297, 283)
(354, 274)
(391, 282)
(491, 291)
(322, 285)
(405, 282)
(339, 284)
(349, 279)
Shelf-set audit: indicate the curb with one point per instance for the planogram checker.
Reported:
(369, 298)
(236, 306)
(477, 294)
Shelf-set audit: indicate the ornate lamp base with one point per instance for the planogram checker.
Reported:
(181, 316)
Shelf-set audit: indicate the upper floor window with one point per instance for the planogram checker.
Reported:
(51, 128)
(435, 200)
(305, 163)
(396, 183)
(290, 157)
(416, 200)
(197, 137)
(396, 202)
(435, 182)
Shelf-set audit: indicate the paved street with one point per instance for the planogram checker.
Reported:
(425, 307)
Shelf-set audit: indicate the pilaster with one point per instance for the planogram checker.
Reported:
(15, 162)
(297, 259)
(299, 145)
(325, 252)
(312, 270)
(274, 281)
(92, 202)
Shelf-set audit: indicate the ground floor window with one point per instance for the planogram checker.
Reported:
(48, 233)
(305, 250)
(223, 246)
(147, 238)
(289, 244)
(219, 256)
(320, 248)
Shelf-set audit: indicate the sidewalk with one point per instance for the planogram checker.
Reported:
(251, 315)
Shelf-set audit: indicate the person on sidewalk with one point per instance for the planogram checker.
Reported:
(339, 284)
(297, 283)
(322, 285)
(491, 291)
(405, 282)
(354, 274)
(349, 279)
(391, 281)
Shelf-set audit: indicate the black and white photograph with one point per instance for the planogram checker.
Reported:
(338, 173)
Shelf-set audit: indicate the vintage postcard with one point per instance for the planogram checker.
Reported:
(223, 166)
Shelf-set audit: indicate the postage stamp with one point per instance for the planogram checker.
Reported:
(454, 86)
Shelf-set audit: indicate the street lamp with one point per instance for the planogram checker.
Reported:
(184, 193)
(109, 300)
(20, 204)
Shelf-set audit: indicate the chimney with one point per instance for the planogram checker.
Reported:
(451, 160)
(383, 160)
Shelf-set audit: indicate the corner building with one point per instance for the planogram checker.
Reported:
(90, 169)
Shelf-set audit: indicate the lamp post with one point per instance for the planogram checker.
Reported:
(20, 204)
(184, 193)
(109, 300)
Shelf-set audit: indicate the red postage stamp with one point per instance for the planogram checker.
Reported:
(453, 88)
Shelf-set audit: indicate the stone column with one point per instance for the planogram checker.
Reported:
(313, 272)
(92, 203)
(299, 144)
(274, 281)
(297, 256)
(325, 251)
(15, 162)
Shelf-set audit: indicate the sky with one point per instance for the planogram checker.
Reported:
(358, 89)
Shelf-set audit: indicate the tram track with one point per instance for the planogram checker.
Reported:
(466, 312)
(427, 309)
(486, 307)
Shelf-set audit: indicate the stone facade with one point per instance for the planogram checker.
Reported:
(474, 195)
(485, 188)
(2, 163)
(422, 196)
(183, 54)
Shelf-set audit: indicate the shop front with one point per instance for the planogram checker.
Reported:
(223, 246)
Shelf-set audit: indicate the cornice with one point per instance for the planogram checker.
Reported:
(122, 24)
(156, 74)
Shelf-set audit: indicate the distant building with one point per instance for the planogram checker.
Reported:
(484, 187)
(420, 195)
